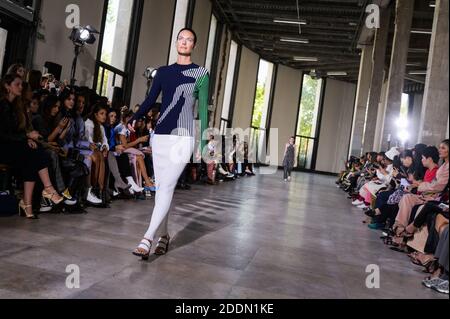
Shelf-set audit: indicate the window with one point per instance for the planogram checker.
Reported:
(225, 117)
(179, 23)
(119, 40)
(261, 108)
(211, 42)
(3, 37)
(306, 134)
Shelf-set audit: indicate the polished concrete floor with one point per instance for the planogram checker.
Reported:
(256, 238)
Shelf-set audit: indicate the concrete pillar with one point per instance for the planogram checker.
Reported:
(414, 118)
(403, 19)
(376, 82)
(362, 94)
(434, 117)
(380, 116)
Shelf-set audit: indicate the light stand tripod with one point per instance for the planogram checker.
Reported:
(74, 65)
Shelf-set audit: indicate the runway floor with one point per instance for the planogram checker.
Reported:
(257, 237)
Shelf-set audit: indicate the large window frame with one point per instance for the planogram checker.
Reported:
(127, 74)
(258, 135)
(314, 137)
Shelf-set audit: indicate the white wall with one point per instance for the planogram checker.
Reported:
(339, 98)
(154, 43)
(285, 105)
(57, 46)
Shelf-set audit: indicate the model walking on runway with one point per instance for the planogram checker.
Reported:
(173, 142)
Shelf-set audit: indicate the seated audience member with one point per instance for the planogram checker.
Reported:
(137, 157)
(17, 69)
(95, 134)
(17, 136)
(117, 161)
(383, 178)
(405, 172)
(49, 129)
(427, 191)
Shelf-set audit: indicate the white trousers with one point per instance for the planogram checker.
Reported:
(171, 153)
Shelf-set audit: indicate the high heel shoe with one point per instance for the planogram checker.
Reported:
(51, 196)
(23, 211)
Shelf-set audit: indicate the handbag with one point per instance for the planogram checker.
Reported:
(396, 197)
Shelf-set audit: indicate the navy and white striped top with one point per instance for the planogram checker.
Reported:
(180, 85)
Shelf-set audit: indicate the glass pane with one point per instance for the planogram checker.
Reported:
(229, 80)
(116, 34)
(309, 106)
(261, 104)
(3, 37)
(305, 148)
(211, 40)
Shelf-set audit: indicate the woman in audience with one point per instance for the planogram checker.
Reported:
(383, 178)
(95, 135)
(20, 141)
(18, 69)
(49, 129)
(117, 161)
(407, 172)
(123, 138)
(428, 190)
(72, 138)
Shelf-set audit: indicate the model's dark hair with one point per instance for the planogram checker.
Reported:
(445, 142)
(191, 31)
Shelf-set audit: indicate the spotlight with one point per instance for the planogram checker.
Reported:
(82, 35)
(403, 136)
(150, 73)
(402, 123)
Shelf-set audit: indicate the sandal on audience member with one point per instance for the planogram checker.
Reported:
(143, 250)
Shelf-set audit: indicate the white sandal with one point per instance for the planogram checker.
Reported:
(143, 250)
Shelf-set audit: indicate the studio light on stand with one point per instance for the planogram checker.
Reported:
(80, 36)
(149, 74)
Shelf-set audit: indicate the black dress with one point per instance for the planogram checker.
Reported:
(15, 152)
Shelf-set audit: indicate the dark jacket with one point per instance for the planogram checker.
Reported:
(9, 122)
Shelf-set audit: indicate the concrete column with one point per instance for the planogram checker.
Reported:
(414, 118)
(434, 117)
(362, 95)
(399, 56)
(380, 116)
(376, 82)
